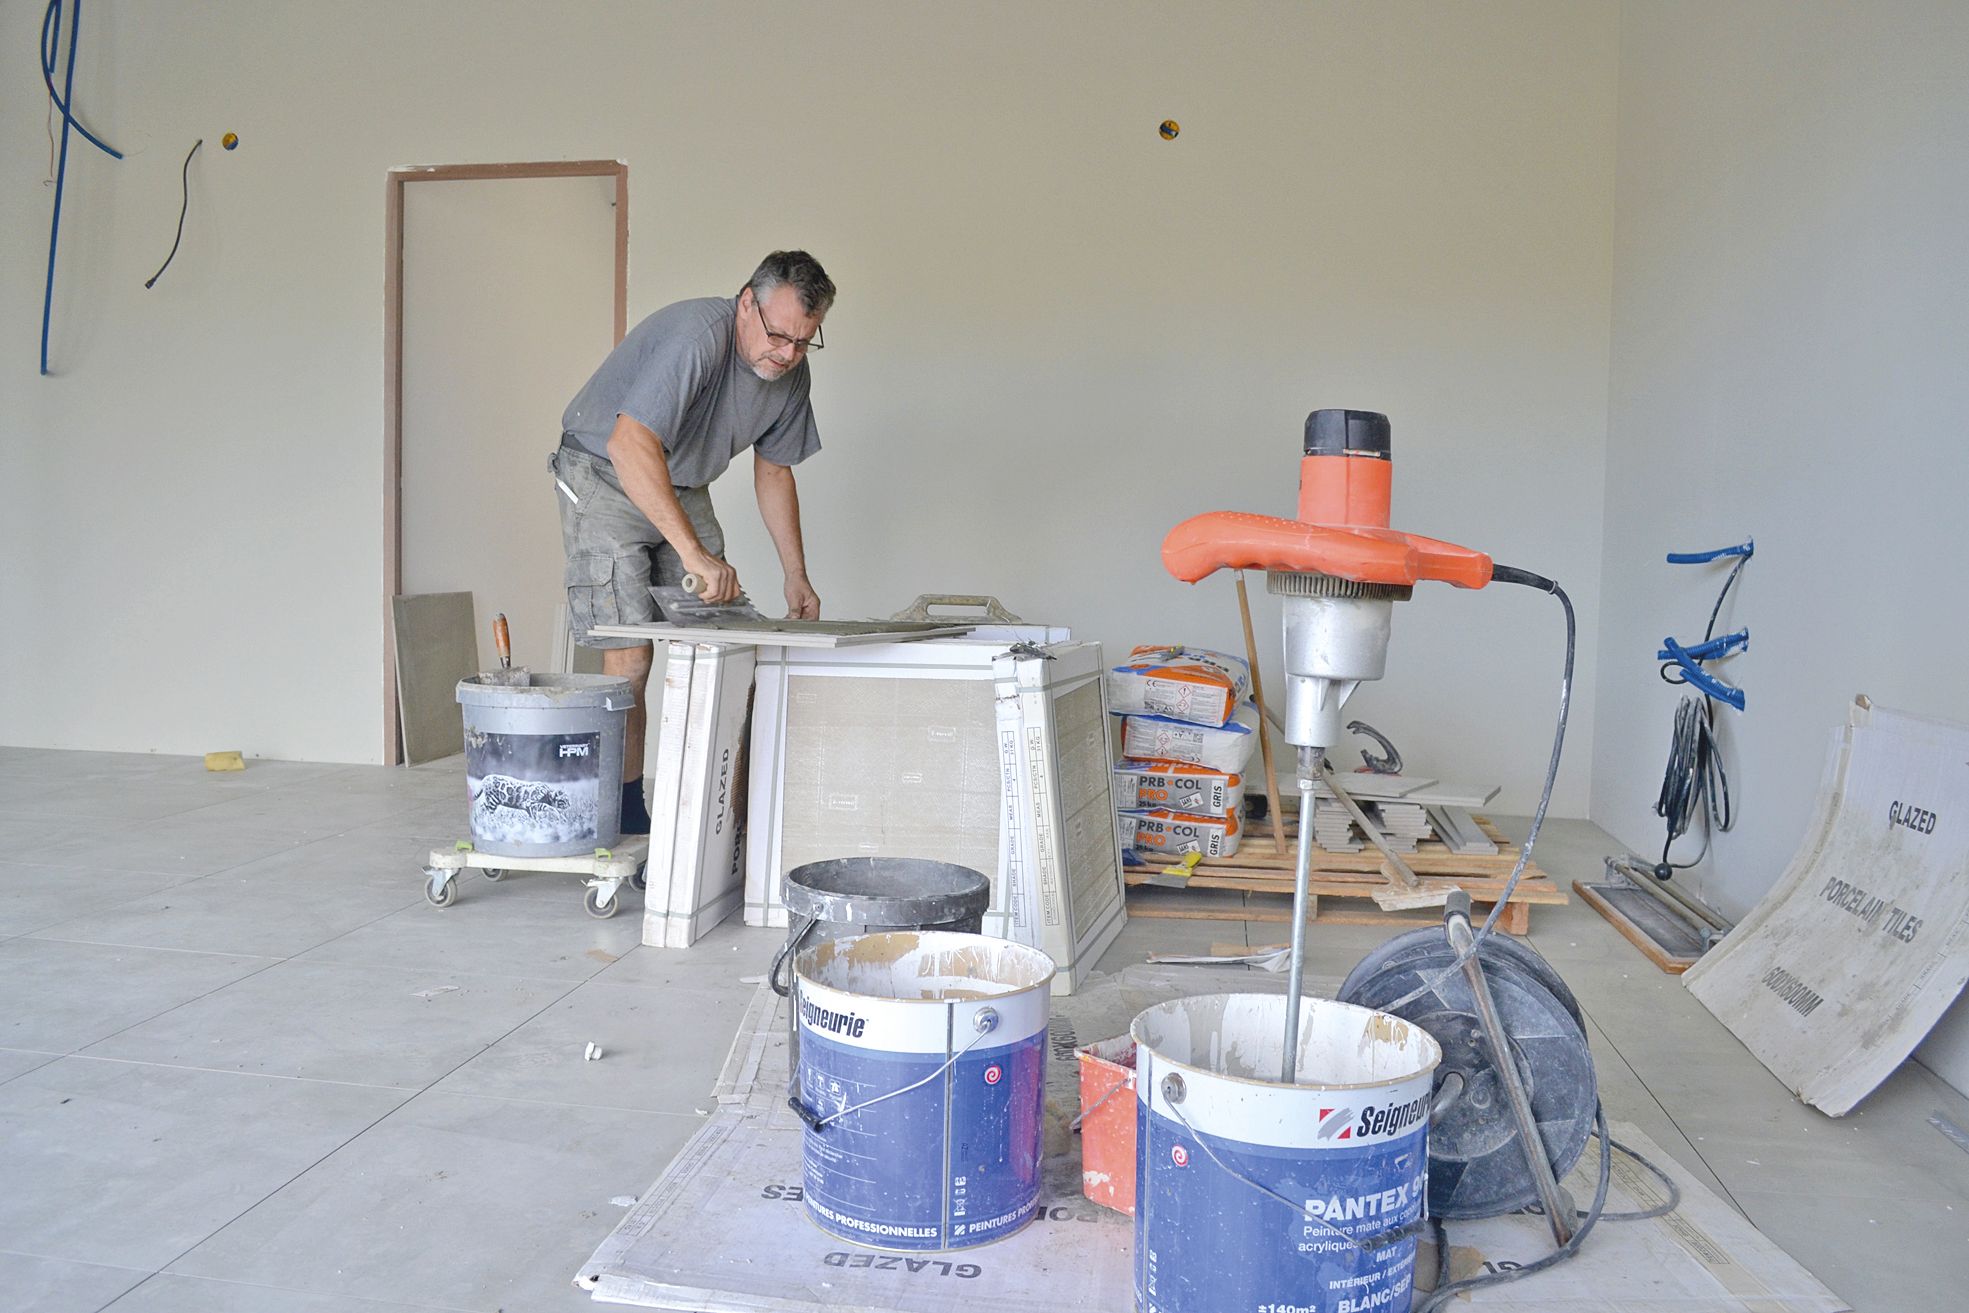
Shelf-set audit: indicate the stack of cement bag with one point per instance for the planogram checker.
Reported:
(1186, 738)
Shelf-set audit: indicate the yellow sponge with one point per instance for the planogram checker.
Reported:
(224, 761)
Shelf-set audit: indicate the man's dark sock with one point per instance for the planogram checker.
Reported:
(635, 814)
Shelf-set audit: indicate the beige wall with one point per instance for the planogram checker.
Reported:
(1789, 327)
(1058, 334)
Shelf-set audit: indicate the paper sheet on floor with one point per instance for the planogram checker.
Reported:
(724, 1228)
(1863, 942)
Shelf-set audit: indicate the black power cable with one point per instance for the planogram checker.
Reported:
(186, 181)
(1695, 782)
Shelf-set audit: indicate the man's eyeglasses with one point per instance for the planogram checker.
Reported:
(782, 340)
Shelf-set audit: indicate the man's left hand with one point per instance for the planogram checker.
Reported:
(802, 602)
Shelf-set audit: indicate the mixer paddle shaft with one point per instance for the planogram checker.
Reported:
(1302, 877)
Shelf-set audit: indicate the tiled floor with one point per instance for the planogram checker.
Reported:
(244, 1068)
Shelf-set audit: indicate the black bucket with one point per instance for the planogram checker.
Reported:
(867, 895)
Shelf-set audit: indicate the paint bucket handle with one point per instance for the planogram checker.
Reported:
(985, 1020)
(1172, 1094)
(785, 959)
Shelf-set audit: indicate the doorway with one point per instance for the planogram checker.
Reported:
(505, 286)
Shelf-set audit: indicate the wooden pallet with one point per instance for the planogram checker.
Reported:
(1256, 884)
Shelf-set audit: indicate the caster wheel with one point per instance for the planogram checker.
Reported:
(492, 872)
(640, 880)
(591, 900)
(441, 895)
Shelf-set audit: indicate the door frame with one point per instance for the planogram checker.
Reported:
(393, 362)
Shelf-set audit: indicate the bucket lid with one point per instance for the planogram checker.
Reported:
(546, 692)
(925, 966)
(893, 891)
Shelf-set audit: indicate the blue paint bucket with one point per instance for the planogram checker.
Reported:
(922, 1081)
(1253, 1194)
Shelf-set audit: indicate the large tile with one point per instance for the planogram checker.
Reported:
(327, 1021)
(17, 1062)
(248, 910)
(94, 803)
(33, 897)
(661, 1048)
(456, 1201)
(310, 812)
(62, 997)
(1881, 1255)
(484, 932)
(732, 956)
(182, 847)
(53, 1285)
(169, 1293)
(131, 1165)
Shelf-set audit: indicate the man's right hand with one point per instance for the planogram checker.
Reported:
(719, 582)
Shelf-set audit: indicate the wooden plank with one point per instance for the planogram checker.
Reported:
(1538, 888)
(1200, 905)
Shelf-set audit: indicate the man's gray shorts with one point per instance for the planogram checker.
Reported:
(614, 553)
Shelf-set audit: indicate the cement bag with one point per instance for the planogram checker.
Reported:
(1175, 833)
(1144, 785)
(1225, 748)
(1182, 683)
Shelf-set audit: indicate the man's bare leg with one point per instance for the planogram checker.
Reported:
(632, 664)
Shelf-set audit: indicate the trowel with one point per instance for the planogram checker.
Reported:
(508, 675)
(683, 604)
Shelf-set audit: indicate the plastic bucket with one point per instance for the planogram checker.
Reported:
(1252, 1194)
(922, 1080)
(543, 763)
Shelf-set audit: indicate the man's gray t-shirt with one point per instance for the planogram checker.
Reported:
(678, 374)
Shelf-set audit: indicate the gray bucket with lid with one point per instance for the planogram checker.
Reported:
(847, 896)
(543, 763)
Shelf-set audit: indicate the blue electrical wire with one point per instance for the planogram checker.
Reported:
(51, 39)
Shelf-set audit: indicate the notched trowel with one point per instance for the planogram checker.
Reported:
(683, 604)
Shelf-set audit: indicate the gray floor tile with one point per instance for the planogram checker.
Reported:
(53, 1285)
(657, 1046)
(131, 1165)
(169, 1293)
(242, 911)
(1881, 1255)
(328, 1021)
(17, 1062)
(313, 813)
(62, 997)
(483, 932)
(34, 897)
(184, 846)
(455, 1201)
(723, 959)
(99, 803)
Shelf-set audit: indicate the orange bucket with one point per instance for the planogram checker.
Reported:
(1107, 1123)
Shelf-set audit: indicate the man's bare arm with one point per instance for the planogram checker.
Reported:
(779, 507)
(637, 454)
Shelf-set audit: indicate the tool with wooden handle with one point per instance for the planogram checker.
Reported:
(508, 675)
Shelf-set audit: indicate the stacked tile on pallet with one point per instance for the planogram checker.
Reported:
(1186, 740)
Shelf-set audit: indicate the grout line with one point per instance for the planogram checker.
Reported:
(382, 1305)
(234, 1071)
(1672, 1121)
(694, 1117)
(225, 1226)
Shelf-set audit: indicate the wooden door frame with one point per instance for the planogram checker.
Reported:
(393, 363)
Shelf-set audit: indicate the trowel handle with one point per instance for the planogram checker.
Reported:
(502, 639)
(692, 584)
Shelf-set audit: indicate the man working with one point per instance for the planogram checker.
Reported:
(687, 390)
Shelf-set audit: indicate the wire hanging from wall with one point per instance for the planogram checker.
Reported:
(64, 100)
(182, 210)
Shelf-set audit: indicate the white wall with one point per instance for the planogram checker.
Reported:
(1790, 319)
(1058, 334)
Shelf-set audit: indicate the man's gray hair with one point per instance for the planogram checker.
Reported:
(798, 270)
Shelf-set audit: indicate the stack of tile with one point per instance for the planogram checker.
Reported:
(1403, 824)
